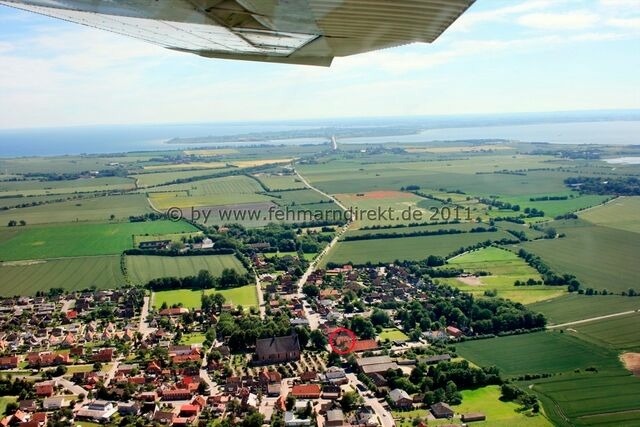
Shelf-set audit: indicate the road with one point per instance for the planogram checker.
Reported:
(143, 326)
(385, 417)
(592, 319)
(261, 307)
(314, 319)
(72, 387)
(111, 373)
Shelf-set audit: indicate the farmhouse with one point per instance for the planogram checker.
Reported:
(278, 349)
(401, 399)
(473, 416)
(306, 391)
(441, 410)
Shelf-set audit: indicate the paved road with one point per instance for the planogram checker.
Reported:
(592, 319)
(111, 373)
(385, 417)
(72, 387)
(143, 326)
(261, 306)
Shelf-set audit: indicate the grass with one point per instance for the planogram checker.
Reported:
(159, 178)
(193, 338)
(621, 214)
(505, 268)
(280, 182)
(572, 307)
(81, 185)
(392, 334)
(82, 239)
(540, 352)
(245, 296)
(26, 278)
(595, 254)
(405, 248)
(142, 268)
(86, 209)
(4, 400)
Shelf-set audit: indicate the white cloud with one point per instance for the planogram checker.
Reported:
(575, 20)
(471, 18)
(625, 23)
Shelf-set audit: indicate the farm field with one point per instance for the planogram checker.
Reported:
(185, 166)
(159, 178)
(572, 307)
(71, 274)
(620, 332)
(298, 197)
(505, 268)
(16, 201)
(259, 162)
(551, 208)
(81, 185)
(609, 398)
(245, 296)
(540, 352)
(465, 226)
(85, 209)
(621, 214)
(210, 192)
(174, 237)
(410, 248)
(600, 257)
(143, 268)
(81, 239)
(280, 182)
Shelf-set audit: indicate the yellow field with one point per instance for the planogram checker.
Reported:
(189, 165)
(210, 152)
(262, 162)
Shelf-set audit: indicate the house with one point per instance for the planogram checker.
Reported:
(177, 394)
(128, 408)
(44, 389)
(366, 416)
(164, 417)
(334, 375)
(441, 410)
(55, 402)
(401, 399)
(453, 331)
(29, 405)
(437, 358)
(290, 420)
(376, 364)
(365, 345)
(335, 418)
(8, 362)
(473, 416)
(278, 349)
(98, 410)
(331, 392)
(306, 391)
(177, 311)
(104, 355)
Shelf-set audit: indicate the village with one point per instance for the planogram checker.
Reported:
(110, 357)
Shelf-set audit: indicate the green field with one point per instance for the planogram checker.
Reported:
(209, 192)
(280, 182)
(26, 278)
(174, 237)
(620, 332)
(392, 334)
(600, 257)
(505, 268)
(143, 268)
(86, 209)
(410, 248)
(621, 213)
(245, 296)
(540, 352)
(3, 403)
(551, 208)
(158, 178)
(82, 239)
(298, 197)
(81, 185)
(572, 307)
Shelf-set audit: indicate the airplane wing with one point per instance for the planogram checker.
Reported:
(310, 32)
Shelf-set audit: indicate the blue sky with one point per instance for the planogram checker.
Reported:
(501, 56)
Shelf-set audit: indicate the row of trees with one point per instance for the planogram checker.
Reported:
(549, 277)
(229, 278)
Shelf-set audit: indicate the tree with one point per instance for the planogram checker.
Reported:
(380, 318)
(290, 402)
(318, 340)
(350, 400)
(12, 223)
(303, 336)
(362, 327)
(218, 300)
(310, 290)
(23, 222)
(112, 217)
(254, 419)
(205, 280)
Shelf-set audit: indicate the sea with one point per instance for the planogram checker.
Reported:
(123, 138)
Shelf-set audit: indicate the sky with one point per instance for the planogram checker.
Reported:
(501, 56)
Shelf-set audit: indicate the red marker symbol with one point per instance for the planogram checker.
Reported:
(342, 341)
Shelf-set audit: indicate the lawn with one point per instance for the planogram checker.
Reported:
(392, 334)
(82, 239)
(192, 338)
(540, 352)
(405, 248)
(142, 268)
(86, 209)
(71, 274)
(600, 257)
(572, 307)
(3, 403)
(505, 268)
(245, 296)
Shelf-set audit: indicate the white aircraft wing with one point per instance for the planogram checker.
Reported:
(309, 32)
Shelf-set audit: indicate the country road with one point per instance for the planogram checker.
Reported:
(314, 319)
(592, 319)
